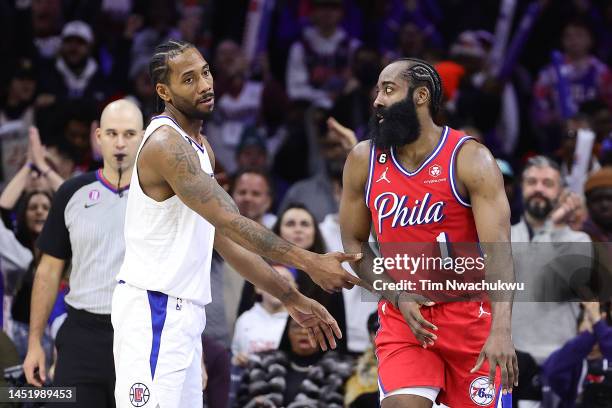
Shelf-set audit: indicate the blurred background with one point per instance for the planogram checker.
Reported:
(294, 84)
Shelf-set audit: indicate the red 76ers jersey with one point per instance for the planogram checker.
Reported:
(421, 205)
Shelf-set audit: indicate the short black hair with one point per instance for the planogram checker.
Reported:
(158, 66)
(421, 73)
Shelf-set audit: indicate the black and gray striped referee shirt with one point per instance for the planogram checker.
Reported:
(85, 225)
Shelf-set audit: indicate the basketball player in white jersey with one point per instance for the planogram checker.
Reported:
(176, 213)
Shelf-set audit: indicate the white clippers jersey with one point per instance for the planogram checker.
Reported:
(168, 246)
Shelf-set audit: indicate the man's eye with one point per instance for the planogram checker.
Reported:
(388, 89)
(188, 80)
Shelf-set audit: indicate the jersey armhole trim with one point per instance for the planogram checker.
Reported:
(462, 200)
(370, 173)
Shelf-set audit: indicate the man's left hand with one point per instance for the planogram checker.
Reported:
(499, 351)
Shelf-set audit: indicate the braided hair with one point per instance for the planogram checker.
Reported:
(421, 73)
(158, 66)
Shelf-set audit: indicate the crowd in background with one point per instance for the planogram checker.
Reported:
(294, 83)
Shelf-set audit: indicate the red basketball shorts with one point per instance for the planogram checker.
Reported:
(463, 328)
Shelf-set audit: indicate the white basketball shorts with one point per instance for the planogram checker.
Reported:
(157, 349)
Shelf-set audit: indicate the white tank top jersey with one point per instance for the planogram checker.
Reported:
(168, 246)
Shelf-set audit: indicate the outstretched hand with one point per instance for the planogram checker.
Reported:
(327, 271)
(311, 315)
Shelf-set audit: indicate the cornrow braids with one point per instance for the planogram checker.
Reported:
(421, 73)
(158, 66)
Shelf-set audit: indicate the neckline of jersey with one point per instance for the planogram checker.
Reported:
(104, 181)
(199, 146)
(429, 158)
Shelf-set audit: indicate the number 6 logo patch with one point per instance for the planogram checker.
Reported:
(382, 159)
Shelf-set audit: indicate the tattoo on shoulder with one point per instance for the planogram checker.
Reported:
(261, 237)
(194, 183)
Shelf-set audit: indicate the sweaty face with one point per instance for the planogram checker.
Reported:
(190, 88)
(252, 195)
(394, 122)
(541, 190)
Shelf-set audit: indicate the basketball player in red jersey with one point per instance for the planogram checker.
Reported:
(423, 182)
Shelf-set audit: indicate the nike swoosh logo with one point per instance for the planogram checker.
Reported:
(91, 205)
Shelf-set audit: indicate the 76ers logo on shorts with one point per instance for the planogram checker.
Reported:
(480, 392)
(139, 394)
(435, 170)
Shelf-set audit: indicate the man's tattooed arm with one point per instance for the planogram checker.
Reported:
(178, 164)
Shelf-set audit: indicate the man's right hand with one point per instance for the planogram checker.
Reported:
(35, 360)
(327, 271)
(410, 307)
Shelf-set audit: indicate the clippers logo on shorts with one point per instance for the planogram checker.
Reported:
(435, 170)
(480, 392)
(139, 395)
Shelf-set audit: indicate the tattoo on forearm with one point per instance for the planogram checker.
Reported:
(260, 237)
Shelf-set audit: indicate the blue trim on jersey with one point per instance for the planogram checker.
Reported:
(431, 156)
(100, 177)
(189, 139)
(464, 202)
(370, 172)
(157, 302)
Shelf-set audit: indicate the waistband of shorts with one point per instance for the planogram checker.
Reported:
(170, 297)
(85, 316)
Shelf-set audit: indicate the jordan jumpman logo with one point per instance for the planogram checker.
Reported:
(384, 176)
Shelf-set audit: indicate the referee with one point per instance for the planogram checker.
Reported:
(85, 228)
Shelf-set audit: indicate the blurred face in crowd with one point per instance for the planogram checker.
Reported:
(77, 134)
(576, 41)
(394, 122)
(36, 212)
(252, 195)
(269, 300)
(227, 52)
(119, 134)
(298, 337)
(21, 89)
(411, 40)
(541, 190)
(74, 51)
(252, 157)
(190, 85)
(326, 17)
(297, 226)
(599, 203)
(46, 15)
(142, 85)
(366, 67)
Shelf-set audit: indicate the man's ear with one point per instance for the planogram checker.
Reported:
(422, 96)
(163, 92)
